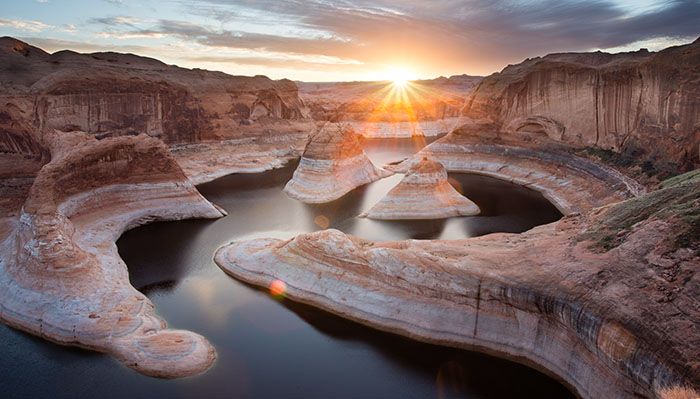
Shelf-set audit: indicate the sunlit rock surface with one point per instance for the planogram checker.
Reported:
(61, 277)
(644, 105)
(424, 193)
(112, 94)
(608, 301)
(333, 163)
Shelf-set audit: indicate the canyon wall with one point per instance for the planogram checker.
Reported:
(112, 94)
(642, 104)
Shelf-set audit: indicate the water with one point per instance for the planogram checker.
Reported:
(277, 349)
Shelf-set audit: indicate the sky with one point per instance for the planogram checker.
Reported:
(325, 40)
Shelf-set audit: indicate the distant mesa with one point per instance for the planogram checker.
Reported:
(333, 164)
(424, 193)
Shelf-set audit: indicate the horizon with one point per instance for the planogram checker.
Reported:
(349, 41)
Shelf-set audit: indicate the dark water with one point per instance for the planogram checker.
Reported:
(277, 349)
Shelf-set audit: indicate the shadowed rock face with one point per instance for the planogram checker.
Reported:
(424, 193)
(643, 104)
(611, 317)
(333, 163)
(60, 274)
(112, 94)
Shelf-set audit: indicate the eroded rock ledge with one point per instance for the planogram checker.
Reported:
(559, 176)
(424, 193)
(60, 273)
(610, 320)
(333, 164)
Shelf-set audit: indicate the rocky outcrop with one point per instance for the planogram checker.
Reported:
(333, 163)
(572, 183)
(424, 193)
(204, 162)
(607, 301)
(643, 104)
(112, 94)
(61, 277)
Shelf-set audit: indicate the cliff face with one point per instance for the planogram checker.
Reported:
(642, 104)
(111, 94)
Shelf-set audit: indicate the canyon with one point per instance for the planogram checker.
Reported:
(606, 300)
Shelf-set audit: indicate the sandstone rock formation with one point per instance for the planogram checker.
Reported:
(112, 94)
(573, 184)
(60, 274)
(424, 193)
(206, 161)
(608, 301)
(333, 163)
(643, 104)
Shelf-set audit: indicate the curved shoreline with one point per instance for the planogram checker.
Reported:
(492, 293)
(559, 177)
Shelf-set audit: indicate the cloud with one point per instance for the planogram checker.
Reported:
(440, 37)
(481, 34)
(25, 25)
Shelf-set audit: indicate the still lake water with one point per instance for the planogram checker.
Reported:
(277, 349)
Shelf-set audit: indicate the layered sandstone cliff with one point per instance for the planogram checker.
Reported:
(333, 163)
(642, 104)
(60, 274)
(112, 94)
(607, 301)
(424, 193)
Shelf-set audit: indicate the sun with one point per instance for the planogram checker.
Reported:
(400, 77)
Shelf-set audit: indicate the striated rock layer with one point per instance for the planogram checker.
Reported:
(572, 183)
(642, 104)
(60, 274)
(607, 301)
(112, 94)
(333, 163)
(424, 193)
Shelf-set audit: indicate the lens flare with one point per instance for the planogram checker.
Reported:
(322, 221)
(278, 288)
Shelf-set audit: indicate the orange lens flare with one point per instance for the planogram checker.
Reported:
(278, 288)
(322, 221)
